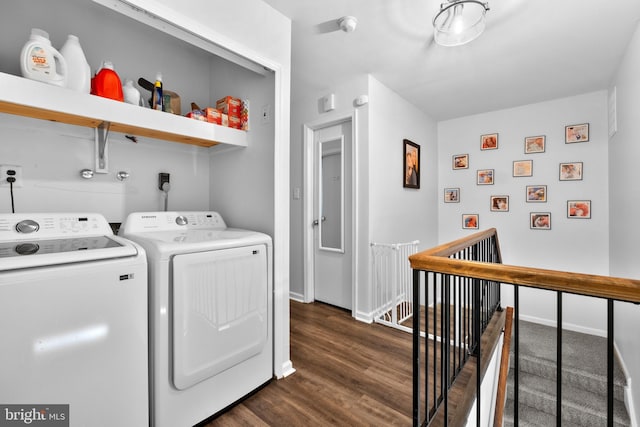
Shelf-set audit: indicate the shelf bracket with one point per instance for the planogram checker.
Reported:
(101, 155)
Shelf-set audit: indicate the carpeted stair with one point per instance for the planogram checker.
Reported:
(584, 380)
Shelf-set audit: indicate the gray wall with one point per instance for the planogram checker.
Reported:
(624, 234)
(571, 244)
(387, 212)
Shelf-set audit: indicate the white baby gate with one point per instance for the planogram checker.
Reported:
(393, 283)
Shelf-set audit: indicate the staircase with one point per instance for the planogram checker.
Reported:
(584, 380)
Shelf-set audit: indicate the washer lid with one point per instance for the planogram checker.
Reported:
(39, 253)
(197, 240)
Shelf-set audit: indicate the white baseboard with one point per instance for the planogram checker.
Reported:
(296, 296)
(628, 394)
(364, 317)
(287, 369)
(628, 401)
(565, 325)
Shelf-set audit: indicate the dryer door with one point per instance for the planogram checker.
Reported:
(220, 311)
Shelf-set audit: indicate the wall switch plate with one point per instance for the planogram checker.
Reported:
(266, 114)
(5, 173)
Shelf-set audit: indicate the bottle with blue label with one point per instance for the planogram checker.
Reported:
(157, 100)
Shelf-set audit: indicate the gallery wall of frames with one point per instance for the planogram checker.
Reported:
(533, 193)
(538, 173)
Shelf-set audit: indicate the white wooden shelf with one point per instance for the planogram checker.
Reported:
(29, 98)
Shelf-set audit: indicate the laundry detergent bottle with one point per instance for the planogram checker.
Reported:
(41, 61)
(79, 71)
(107, 83)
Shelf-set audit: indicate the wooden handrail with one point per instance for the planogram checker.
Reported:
(436, 260)
(501, 395)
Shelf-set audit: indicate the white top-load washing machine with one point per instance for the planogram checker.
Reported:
(210, 312)
(73, 323)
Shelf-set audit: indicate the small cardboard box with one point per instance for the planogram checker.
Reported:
(235, 122)
(229, 105)
(213, 115)
(197, 115)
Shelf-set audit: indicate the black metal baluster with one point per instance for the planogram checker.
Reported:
(610, 362)
(454, 282)
(516, 361)
(478, 355)
(416, 350)
(444, 332)
(559, 361)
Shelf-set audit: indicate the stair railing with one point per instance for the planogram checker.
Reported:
(475, 262)
(460, 310)
(501, 396)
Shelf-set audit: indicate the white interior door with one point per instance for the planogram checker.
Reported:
(332, 195)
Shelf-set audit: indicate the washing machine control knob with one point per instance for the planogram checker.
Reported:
(181, 220)
(27, 226)
(27, 248)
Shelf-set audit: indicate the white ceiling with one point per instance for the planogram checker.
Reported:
(531, 50)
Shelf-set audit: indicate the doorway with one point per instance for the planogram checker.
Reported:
(330, 212)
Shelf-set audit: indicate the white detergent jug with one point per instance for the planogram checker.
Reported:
(79, 71)
(41, 61)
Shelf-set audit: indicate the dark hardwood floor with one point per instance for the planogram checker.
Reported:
(348, 373)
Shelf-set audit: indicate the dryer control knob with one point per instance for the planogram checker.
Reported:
(27, 226)
(181, 220)
(27, 248)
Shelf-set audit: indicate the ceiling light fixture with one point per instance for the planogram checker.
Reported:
(459, 21)
(348, 23)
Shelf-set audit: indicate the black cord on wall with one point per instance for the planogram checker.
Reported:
(11, 180)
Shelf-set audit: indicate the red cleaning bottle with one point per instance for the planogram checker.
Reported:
(106, 83)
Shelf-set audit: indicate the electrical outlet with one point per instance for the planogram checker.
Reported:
(6, 172)
(162, 178)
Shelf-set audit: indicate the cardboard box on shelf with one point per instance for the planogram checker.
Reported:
(244, 115)
(197, 115)
(235, 122)
(213, 115)
(229, 105)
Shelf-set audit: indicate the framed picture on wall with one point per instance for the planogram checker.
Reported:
(576, 133)
(470, 221)
(523, 168)
(452, 195)
(540, 220)
(536, 193)
(411, 164)
(484, 177)
(461, 161)
(579, 209)
(489, 141)
(535, 144)
(499, 203)
(571, 171)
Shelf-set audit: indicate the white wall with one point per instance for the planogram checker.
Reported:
(382, 125)
(579, 245)
(243, 25)
(308, 109)
(624, 234)
(52, 155)
(242, 180)
(397, 214)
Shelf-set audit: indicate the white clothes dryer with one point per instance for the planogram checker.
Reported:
(73, 323)
(210, 312)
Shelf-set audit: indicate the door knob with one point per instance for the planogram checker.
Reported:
(316, 222)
